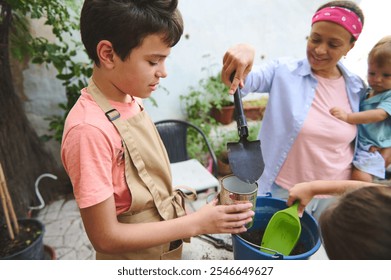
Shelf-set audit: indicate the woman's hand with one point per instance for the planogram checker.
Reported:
(238, 59)
(213, 218)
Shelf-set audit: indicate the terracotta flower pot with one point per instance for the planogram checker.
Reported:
(223, 167)
(49, 253)
(254, 112)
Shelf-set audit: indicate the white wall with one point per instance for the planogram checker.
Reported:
(275, 27)
(377, 25)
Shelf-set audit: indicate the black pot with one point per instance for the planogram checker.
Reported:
(35, 251)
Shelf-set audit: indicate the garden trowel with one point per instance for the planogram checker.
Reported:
(245, 157)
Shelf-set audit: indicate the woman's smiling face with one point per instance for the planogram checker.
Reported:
(327, 43)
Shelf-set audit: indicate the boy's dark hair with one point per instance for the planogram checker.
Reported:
(125, 23)
(358, 226)
(347, 5)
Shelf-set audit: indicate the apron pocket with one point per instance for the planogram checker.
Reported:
(175, 251)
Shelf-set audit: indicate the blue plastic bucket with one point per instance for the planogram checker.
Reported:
(265, 208)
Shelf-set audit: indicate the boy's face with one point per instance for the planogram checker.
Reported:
(140, 73)
(379, 78)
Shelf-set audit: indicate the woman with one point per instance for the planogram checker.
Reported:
(301, 141)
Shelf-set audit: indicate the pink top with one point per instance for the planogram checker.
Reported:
(92, 153)
(324, 147)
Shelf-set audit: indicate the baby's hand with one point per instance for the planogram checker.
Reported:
(374, 149)
(339, 114)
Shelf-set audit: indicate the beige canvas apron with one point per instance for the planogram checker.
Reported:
(148, 176)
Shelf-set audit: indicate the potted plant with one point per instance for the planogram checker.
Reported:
(255, 108)
(223, 108)
(219, 144)
(198, 103)
(27, 243)
(209, 101)
(222, 136)
(20, 239)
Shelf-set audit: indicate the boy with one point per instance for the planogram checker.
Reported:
(357, 226)
(111, 150)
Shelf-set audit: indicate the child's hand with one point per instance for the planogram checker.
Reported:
(374, 149)
(301, 192)
(213, 218)
(339, 114)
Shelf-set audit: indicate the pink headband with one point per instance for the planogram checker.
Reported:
(344, 17)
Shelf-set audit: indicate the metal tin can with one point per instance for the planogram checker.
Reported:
(233, 191)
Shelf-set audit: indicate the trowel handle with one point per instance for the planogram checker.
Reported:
(240, 118)
(239, 113)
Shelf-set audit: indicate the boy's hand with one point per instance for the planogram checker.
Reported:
(215, 218)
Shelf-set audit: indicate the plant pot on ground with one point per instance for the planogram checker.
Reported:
(223, 166)
(220, 138)
(26, 245)
(20, 239)
(224, 135)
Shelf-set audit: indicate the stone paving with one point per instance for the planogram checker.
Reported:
(64, 231)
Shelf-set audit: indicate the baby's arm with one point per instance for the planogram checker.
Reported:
(369, 116)
(386, 153)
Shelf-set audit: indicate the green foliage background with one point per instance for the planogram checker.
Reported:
(63, 18)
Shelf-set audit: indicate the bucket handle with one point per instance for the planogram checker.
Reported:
(277, 255)
(268, 194)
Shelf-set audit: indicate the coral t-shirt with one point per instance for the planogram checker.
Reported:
(324, 147)
(92, 153)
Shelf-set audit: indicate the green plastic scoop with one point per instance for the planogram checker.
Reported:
(282, 231)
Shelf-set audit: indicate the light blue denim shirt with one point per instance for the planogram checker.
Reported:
(291, 87)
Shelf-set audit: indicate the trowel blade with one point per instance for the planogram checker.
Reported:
(246, 160)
